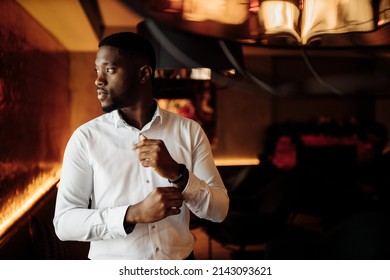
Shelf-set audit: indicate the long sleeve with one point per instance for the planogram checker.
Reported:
(207, 197)
(73, 220)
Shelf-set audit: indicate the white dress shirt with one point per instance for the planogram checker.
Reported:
(100, 166)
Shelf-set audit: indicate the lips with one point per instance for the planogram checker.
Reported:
(102, 94)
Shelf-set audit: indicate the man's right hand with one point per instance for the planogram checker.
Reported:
(159, 203)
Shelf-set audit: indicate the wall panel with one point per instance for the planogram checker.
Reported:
(34, 109)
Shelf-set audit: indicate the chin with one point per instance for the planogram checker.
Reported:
(111, 107)
(108, 109)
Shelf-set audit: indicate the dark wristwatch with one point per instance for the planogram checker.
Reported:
(182, 172)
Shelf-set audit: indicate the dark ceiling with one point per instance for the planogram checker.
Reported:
(345, 50)
(277, 23)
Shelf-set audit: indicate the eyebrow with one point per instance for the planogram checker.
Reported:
(107, 63)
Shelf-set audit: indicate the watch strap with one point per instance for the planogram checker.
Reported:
(182, 171)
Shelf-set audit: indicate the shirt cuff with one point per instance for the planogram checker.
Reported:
(116, 217)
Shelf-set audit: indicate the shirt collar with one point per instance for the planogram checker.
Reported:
(119, 122)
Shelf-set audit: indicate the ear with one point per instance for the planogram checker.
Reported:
(145, 73)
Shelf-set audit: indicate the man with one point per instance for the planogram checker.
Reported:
(131, 176)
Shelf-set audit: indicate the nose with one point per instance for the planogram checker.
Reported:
(100, 80)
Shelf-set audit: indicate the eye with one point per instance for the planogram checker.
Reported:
(110, 70)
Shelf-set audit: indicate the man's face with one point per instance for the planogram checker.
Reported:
(115, 78)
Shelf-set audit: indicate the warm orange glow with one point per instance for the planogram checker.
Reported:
(384, 12)
(336, 16)
(318, 17)
(279, 13)
(223, 11)
(236, 161)
(17, 205)
(182, 106)
(278, 17)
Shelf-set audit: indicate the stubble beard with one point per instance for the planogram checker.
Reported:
(115, 105)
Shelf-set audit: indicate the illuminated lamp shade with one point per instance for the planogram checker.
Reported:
(176, 49)
(384, 12)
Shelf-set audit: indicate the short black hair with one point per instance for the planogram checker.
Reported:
(132, 43)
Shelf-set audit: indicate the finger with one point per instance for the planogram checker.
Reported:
(145, 155)
(175, 200)
(136, 146)
(146, 163)
(175, 203)
(169, 189)
(172, 193)
(173, 211)
(140, 143)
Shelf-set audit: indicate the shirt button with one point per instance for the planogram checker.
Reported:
(147, 181)
(153, 226)
(157, 249)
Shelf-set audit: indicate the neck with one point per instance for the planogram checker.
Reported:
(139, 115)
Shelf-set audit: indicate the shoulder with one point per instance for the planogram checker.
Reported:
(181, 124)
(174, 117)
(96, 125)
(100, 120)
